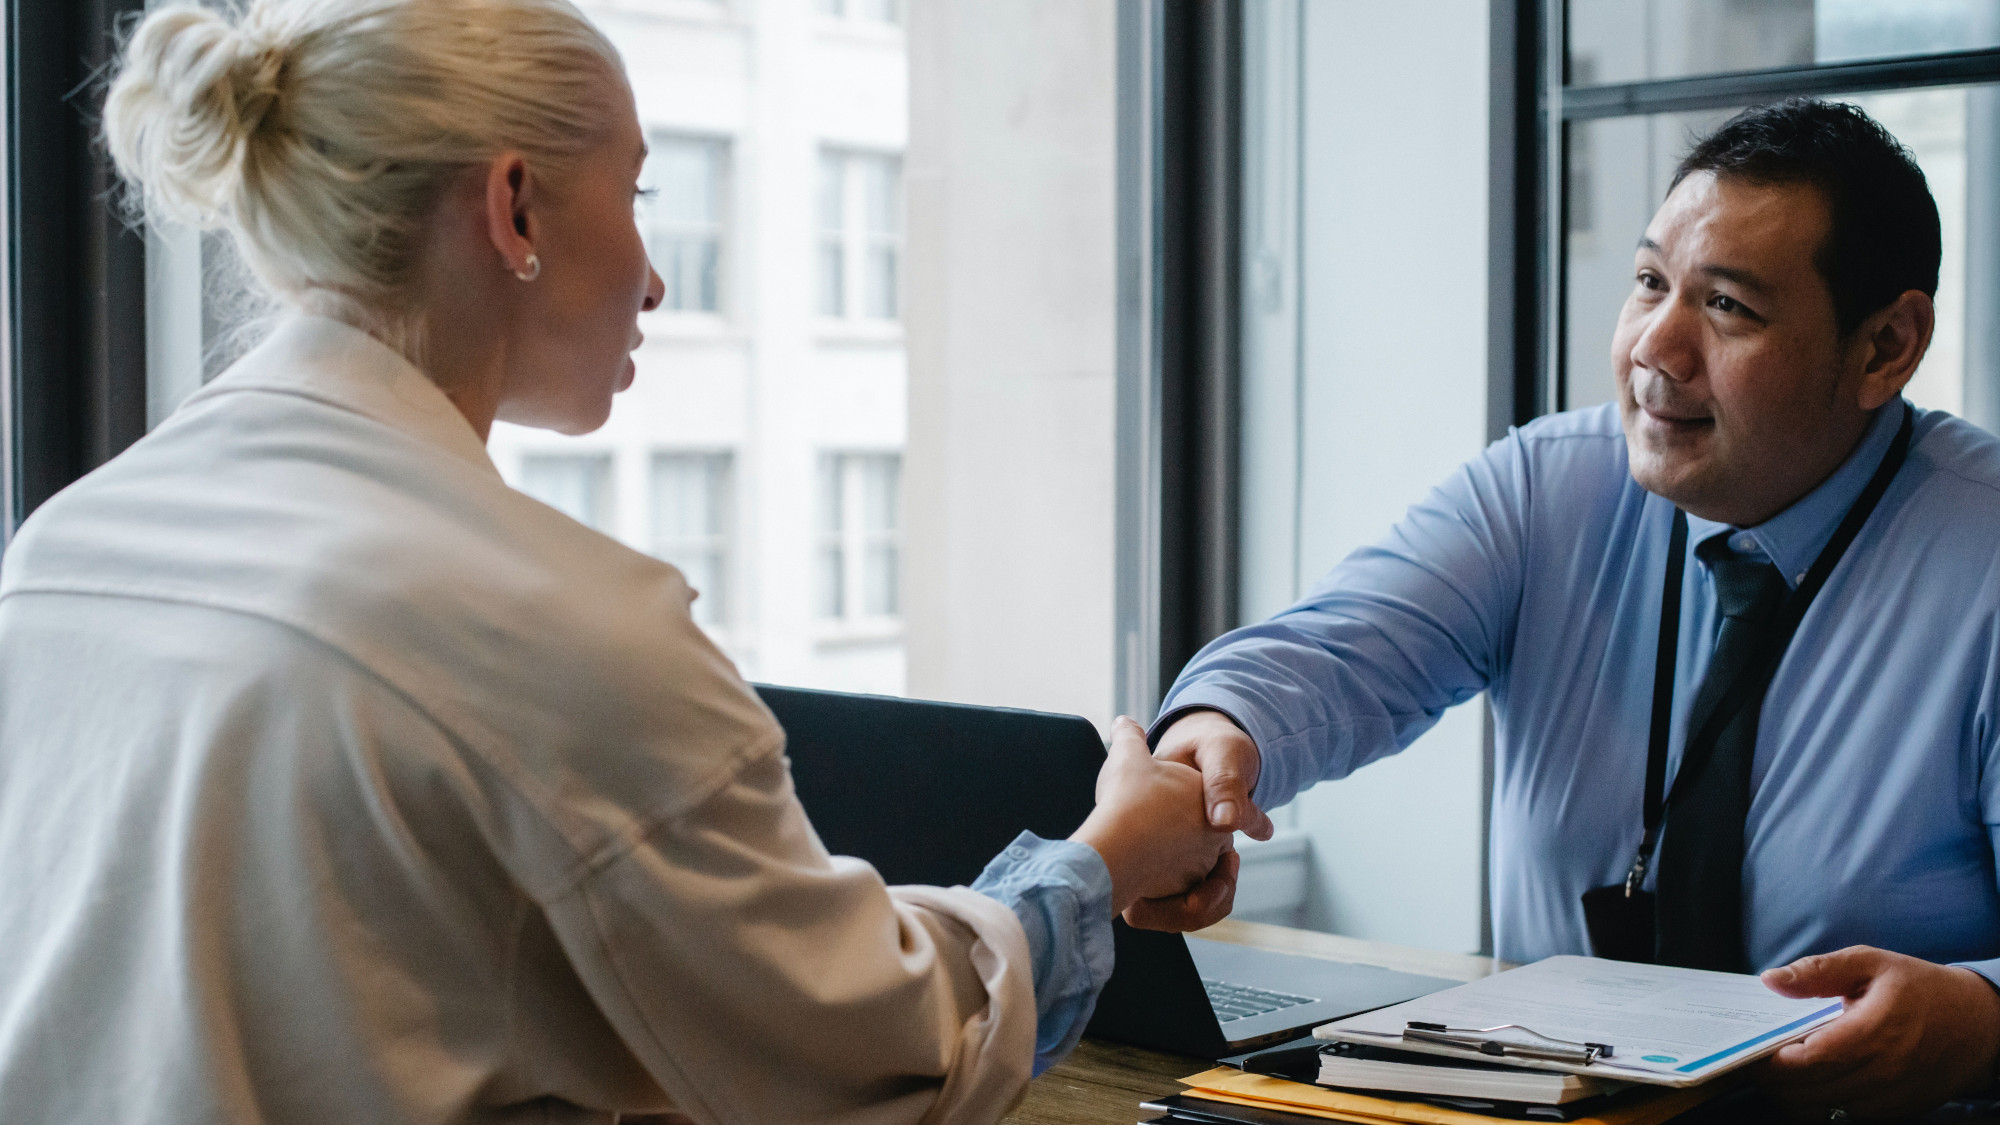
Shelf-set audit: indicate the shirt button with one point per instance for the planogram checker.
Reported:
(1743, 543)
(1016, 851)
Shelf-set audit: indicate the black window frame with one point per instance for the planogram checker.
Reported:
(75, 279)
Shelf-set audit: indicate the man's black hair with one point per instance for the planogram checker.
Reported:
(1884, 240)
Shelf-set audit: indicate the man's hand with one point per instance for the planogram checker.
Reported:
(1914, 1035)
(1148, 825)
(1229, 762)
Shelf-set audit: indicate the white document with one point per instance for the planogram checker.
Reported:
(1667, 1026)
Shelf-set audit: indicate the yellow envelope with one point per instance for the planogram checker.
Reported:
(1227, 1084)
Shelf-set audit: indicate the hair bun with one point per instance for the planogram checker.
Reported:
(192, 92)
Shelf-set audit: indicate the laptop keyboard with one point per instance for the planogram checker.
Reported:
(1240, 1001)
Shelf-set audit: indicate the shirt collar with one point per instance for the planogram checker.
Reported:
(1793, 538)
(333, 362)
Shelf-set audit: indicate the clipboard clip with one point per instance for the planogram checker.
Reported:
(1480, 1039)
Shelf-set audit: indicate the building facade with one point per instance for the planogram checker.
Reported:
(760, 447)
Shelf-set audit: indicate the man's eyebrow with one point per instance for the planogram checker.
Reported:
(1741, 277)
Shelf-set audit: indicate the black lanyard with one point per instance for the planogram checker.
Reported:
(1756, 675)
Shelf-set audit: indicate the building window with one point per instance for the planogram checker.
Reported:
(682, 219)
(577, 485)
(867, 11)
(860, 561)
(860, 236)
(691, 509)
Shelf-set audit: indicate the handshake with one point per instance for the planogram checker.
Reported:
(1164, 823)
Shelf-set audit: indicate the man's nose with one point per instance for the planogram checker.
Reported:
(1669, 341)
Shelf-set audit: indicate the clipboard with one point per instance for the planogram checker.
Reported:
(1657, 1024)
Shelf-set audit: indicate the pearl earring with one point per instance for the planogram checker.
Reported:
(533, 271)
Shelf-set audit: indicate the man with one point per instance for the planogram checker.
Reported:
(1842, 790)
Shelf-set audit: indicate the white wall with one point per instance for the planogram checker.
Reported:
(1394, 385)
(1011, 316)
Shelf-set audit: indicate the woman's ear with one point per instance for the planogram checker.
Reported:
(510, 190)
(1891, 343)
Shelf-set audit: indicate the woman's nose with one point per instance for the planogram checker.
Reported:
(656, 289)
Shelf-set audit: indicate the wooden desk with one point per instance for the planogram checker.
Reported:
(1103, 1083)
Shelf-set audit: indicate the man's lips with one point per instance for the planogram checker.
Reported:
(1675, 417)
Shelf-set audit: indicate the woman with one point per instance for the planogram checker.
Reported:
(339, 782)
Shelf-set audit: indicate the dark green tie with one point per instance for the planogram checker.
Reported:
(1699, 916)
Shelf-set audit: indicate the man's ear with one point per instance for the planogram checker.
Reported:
(1887, 347)
(510, 224)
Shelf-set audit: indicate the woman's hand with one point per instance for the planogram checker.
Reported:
(1150, 824)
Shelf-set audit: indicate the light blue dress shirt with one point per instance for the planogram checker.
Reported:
(1534, 574)
(1061, 892)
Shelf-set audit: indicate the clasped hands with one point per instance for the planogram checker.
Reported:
(1914, 1033)
(1165, 822)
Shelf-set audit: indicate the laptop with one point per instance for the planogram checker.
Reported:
(930, 792)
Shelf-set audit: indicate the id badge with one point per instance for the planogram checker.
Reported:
(1620, 923)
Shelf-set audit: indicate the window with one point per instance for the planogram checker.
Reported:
(870, 11)
(860, 235)
(691, 500)
(778, 140)
(1624, 130)
(579, 486)
(859, 549)
(682, 219)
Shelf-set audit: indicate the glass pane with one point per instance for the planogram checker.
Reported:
(1633, 40)
(691, 267)
(881, 282)
(832, 278)
(832, 263)
(689, 495)
(203, 311)
(1622, 176)
(879, 480)
(682, 219)
(879, 579)
(832, 495)
(1618, 173)
(832, 582)
(832, 194)
(691, 498)
(781, 215)
(881, 209)
(577, 486)
(684, 175)
(881, 11)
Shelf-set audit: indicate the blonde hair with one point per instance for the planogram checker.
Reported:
(321, 134)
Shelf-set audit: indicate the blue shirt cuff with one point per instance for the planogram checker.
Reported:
(1061, 892)
(1988, 969)
(1277, 777)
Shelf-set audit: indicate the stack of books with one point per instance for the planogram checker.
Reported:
(1360, 1083)
(1349, 1082)
(1453, 1058)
